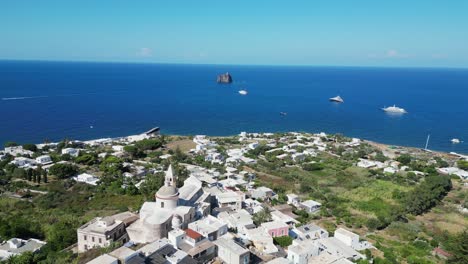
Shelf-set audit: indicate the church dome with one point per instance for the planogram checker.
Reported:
(167, 192)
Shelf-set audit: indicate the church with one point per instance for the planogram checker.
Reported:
(169, 211)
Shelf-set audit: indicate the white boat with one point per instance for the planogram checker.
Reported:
(455, 141)
(394, 109)
(337, 99)
(243, 92)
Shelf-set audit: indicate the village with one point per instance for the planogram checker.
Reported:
(217, 200)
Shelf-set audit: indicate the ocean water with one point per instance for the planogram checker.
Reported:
(56, 100)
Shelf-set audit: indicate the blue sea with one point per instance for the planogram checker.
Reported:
(56, 100)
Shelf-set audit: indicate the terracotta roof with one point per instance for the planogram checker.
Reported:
(192, 233)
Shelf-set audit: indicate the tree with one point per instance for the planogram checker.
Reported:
(134, 151)
(10, 144)
(283, 241)
(463, 164)
(63, 170)
(151, 184)
(62, 234)
(149, 144)
(19, 173)
(86, 159)
(458, 246)
(312, 166)
(404, 159)
(112, 166)
(262, 216)
(31, 147)
(44, 177)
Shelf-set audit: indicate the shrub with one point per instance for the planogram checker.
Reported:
(63, 170)
(283, 241)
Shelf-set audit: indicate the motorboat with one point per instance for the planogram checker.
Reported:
(394, 109)
(337, 99)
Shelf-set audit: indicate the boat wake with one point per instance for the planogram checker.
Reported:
(23, 98)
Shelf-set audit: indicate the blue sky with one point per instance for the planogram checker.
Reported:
(429, 33)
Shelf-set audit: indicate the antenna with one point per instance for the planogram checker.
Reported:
(427, 141)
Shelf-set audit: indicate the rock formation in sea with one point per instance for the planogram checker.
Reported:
(224, 78)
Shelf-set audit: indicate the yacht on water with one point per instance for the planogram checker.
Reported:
(243, 92)
(337, 99)
(455, 141)
(394, 109)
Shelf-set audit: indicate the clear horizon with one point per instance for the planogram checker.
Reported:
(422, 34)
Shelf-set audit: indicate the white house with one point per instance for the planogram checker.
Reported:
(17, 246)
(231, 252)
(390, 170)
(253, 145)
(71, 151)
(301, 251)
(87, 178)
(310, 206)
(293, 199)
(455, 171)
(44, 160)
(22, 162)
(263, 193)
(309, 232)
(210, 227)
(230, 199)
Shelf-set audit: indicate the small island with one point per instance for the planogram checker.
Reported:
(224, 78)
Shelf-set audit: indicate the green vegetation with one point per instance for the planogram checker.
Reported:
(463, 164)
(283, 241)
(63, 170)
(262, 216)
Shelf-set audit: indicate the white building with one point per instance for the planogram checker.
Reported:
(293, 199)
(87, 178)
(301, 251)
(231, 252)
(230, 199)
(44, 160)
(347, 237)
(104, 259)
(310, 206)
(102, 231)
(309, 232)
(158, 218)
(71, 151)
(455, 171)
(16, 246)
(263, 193)
(22, 162)
(261, 240)
(241, 220)
(210, 227)
(18, 150)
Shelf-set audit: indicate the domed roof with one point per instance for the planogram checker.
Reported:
(167, 191)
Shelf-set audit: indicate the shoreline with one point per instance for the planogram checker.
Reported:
(379, 145)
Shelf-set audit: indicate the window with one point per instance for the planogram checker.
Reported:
(100, 240)
(92, 239)
(84, 237)
(85, 247)
(282, 232)
(162, 204)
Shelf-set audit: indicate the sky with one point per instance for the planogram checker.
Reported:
(397, 33)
